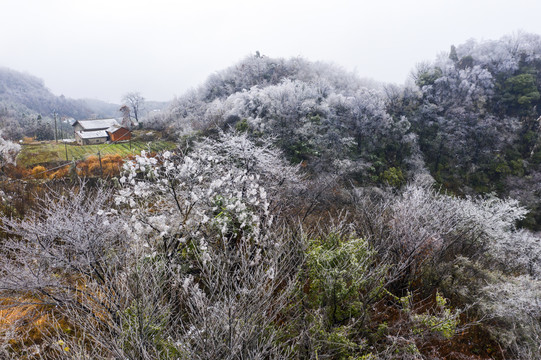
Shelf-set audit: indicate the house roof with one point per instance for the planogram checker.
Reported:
(92, 134)
(100, 124)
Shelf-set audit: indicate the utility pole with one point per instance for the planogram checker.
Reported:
(101, 168)
(55, 132)
(66, 147)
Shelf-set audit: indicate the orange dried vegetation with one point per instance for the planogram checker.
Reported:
(39, 172)
(110, 166)
(25, 320)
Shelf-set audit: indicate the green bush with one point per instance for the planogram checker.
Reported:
(344, 283)
(393, 177)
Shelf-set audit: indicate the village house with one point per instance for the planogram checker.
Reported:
(118, 133)
(99, 131)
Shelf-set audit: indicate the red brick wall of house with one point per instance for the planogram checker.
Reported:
(120, 135)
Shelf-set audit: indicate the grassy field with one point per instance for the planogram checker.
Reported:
(50, 152)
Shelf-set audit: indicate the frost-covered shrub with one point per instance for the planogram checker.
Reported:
(420, 229)
(471, 249)
(68, 260)
(514, 305)
(508, 305)
(223, 185)
(191, 250)
(342, 285)
(8, 151)
(208, 223)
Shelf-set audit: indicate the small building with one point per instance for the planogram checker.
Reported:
(91, 137)
(118, 133)
(99, 131)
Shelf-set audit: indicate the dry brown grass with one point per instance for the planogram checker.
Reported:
(39, 172)
(24, 325)
(32, 329)
(60, 173)
(110, 166)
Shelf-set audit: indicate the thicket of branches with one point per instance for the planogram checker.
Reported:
(198, 254)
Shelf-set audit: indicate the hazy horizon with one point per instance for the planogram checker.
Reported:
(162, 48)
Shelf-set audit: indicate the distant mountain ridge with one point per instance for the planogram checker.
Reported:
(101, 109)
(28, 94)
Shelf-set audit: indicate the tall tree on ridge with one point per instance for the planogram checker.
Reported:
(134, 100)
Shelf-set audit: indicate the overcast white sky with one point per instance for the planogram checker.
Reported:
(105, 48)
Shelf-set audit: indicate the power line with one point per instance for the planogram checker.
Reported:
(41, 172)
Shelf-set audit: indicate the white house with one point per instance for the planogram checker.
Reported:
(93, 131)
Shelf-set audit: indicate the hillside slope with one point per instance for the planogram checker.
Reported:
(27, 93)
(470, 118)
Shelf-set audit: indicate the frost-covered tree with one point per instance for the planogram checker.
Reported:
(477, 115)
(206, 219)
(317, 113)
(135, 101)
(194, 250)
(8, 151)
(69, 255)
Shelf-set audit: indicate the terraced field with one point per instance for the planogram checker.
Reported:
(50, 152)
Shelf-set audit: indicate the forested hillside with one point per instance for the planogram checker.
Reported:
(478, 121)
(27, 106)
(318, 114)
(305, 214)
(470, 118)
(27, 94)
